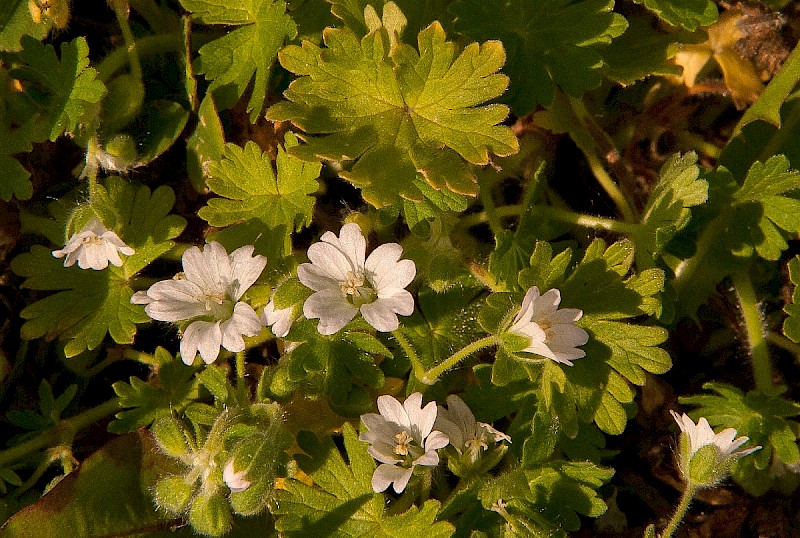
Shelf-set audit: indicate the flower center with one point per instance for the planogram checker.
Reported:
(217, 305)
(477, 443)
(401, 448)
(355, 290)
(93, 239)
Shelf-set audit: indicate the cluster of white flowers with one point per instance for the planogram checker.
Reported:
(402, 436)
(94, 247)
(206, 294)
(551, 331)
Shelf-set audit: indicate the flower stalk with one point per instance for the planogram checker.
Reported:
(754, 327)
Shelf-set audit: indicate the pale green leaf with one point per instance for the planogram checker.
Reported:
(398, 111)
(16, 21)
(245, 54)
(687, 13)
(342, 502)
(68, 86)
(251, 191)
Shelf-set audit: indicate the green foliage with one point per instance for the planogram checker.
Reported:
(598, 387)
(66, 87)
(340, 367)
(16, 20)
(765, 420)
(342, 502)
(747, 220)
(791, 325)
(246, 54)
(90, 304)
(546, 499)
(255, 199)
(640, 52)
(386, 111)
(550, 43)
(667, 210)
(170, 390)
(106, 496)
(50, 409)
(687, 13)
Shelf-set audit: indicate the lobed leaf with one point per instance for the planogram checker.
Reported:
(342, 502)
(67, 86)
(254, 198)
(244, 55)
(90, 304)
(398, 112)
(550, 43)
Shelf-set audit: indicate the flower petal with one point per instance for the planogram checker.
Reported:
(245, 269)
(384, 270)
(332, 309)
(387, 474)
(202, 336)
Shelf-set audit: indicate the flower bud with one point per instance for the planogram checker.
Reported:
(170, 437)
(173, 494)
(210, 514)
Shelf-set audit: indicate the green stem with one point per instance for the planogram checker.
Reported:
(708, 240)
(489, 209)
(139, 356)
(748, 302)
(611, 188)
(144, 47)
(680, 512)
(698, 143)
(433, 374)
(555, 213)
(121, 11)
(784, 343)
(408, 349)
(241, 372)
(64, 429)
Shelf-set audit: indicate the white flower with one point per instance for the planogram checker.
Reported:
(465, 433)
(401, 437)
(94, 247)
(208, 293)
(235, 481)
(344, 283)
(551, 331)
(279, 320)
(701, 434)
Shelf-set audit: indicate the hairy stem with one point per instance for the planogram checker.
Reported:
(408, 349)
(680, 512)
(121, 11)
(433, 374)
(762, 364)
(554, 213)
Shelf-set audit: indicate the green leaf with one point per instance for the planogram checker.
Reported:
(765, 187)
(206, 144)
(687, 13)
(90, 304)
(107, 496)
(552, 495)
(791, 325)
(342, 502)
(14, 180)
(170, 390)
(762, 418)
(396, 111)
(642, 51)
(768, 105)
(16, 21)
(337, 368)
(667, 210)
(551, 43)
(250, 191)
(597, 387)
(245, 54)
(67, 86)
